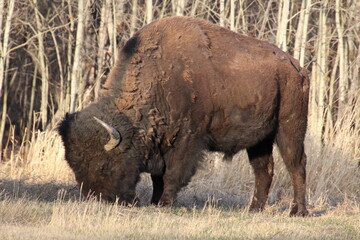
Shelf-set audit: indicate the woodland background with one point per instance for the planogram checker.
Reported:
(55, 54)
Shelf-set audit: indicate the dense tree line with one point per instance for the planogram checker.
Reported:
(55, 54)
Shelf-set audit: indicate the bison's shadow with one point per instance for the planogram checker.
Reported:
(53, 191)
(44, 192)
(194, 196)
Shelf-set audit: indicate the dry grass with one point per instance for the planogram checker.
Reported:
(26, 219)
(39, 199)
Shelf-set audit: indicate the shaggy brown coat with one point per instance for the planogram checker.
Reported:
(183, 85)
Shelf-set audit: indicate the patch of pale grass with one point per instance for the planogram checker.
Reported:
(24, 219)
(44, 161)
(21, 211)
(334, 170)
(41, 174)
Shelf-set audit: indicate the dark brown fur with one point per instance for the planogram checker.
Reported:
(183, 85)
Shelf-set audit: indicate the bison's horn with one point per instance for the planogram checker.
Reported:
(115, 136)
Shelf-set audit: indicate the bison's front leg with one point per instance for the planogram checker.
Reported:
(181, 162)
(261, 160)
(158, 188)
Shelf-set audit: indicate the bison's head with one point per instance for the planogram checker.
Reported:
(101, 150)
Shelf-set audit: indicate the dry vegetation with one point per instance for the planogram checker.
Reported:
(39, 199)
(54, 55)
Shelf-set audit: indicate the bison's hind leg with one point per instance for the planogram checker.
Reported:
(261, 160)
(290, 141)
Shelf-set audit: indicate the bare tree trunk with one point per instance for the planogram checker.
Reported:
(313, 97)
(4, 107)
(281, 5)
(4, 44)
(299, 32)
(103, 36)
(149, 11)
(118, 8)
(76, 64)
(110, 29)
(265, 19)
(304, 33)
(61, 74)
(69, 58)
(2, 13)
(31, 107)
(343, 78)
(133, 21)
(222, 13)
(281, 39)
(90, 46)
(241, 15)
(163, 9)
(321, 71)
(351, 52)
(180, 7)
(329, 124)
(232, 15)
(194, 7)
(3, 118)
(85, 71)
(43, 67)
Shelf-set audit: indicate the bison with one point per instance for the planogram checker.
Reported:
(181, 86)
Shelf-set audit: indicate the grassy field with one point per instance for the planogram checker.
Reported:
(39, 199)
(31, 219)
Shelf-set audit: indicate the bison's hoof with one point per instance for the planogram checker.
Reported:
(255, 209)
(165, 203)
(295, 212)
(256, 206)
(154, 202)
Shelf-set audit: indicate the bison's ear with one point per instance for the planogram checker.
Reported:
(115, 137)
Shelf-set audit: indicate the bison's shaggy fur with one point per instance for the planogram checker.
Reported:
(183, 85)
